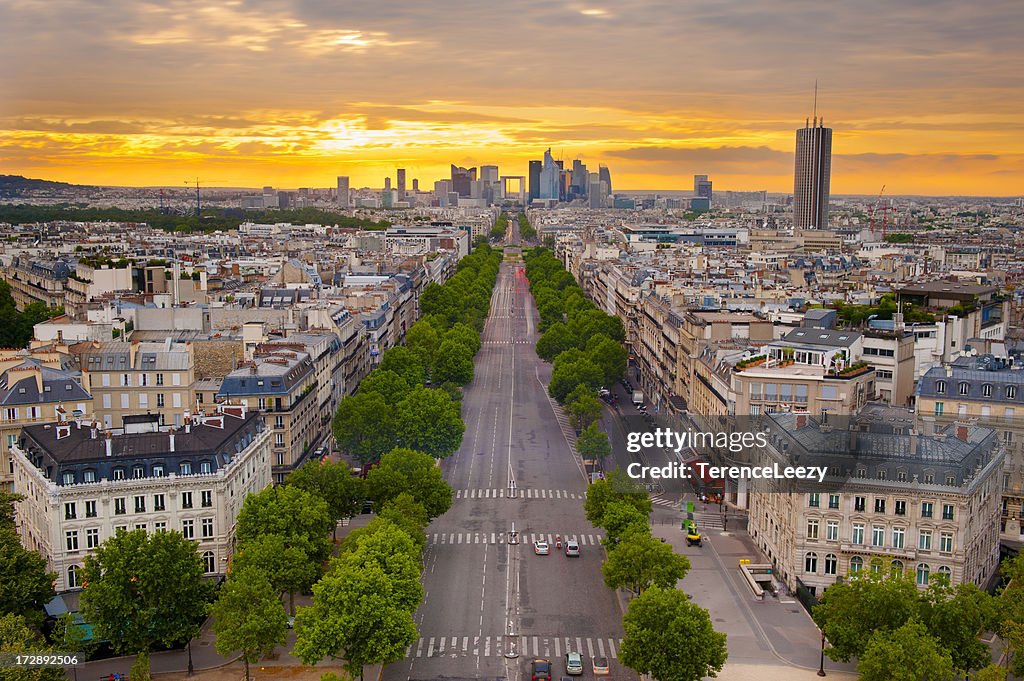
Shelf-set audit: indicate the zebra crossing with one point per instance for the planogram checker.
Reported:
(449, 538)
(531, 646)
(501, 493)
(511, 341)
(704, 520)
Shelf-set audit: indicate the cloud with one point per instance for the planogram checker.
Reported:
(701, 154)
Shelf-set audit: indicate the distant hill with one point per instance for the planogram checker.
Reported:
(16, 185)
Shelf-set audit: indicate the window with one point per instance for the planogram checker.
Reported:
(140, 504)
(833, 501)
(140, 526)
(279, 439)
(207, 528)
(813, 499)
(856, 564)
(858, 533)
(939, 408)
(811, 563)
(138, 471)
(278, 422)
(901, 476)
(986, 390)
(160, 526)
(126, 379)
(204, 467)
(88, 475)
(70, 511)
(944, 570)
(73, 576)
(90, 509)
(175, 379)
(185, 467)
(950, 479)
(71, 539)
(963, 387)
(206, 498)
(176, 400)
(898, 536)
(125, 400)
(812, 529)
(926, 509)
(119, 506)
(947, 511)
(118, 473)
(92, 538)
(188, 529)
(830, 564)
(901, 507)
(832, 530)
(940, 387)
(280, 458)
(143, 400)
(143, 380)
(186, 499)
(922, 574)
(1011, 392)
(158, 470)
(158, 502)
(924, 540)
(209, 562)
(69, 477)
(858, 504)
(159, 379)
(881, 474)
(946, 542)
(877, 535)
(879, 505)
(159, 400)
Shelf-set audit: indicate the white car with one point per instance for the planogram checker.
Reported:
(541, 548)
(601, 666)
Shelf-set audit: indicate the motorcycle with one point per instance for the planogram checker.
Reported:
(558, 542)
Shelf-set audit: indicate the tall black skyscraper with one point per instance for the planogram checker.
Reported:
(811, 177)
(534, 182)
(461, 177)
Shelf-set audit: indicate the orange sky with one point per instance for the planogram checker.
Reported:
(925, 98)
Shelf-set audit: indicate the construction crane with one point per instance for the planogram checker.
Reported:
(198, 202)
(872, 209)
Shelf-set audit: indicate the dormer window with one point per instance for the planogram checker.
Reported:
(1011, 392)
(986, 390)
(940, 387)
(963, 387)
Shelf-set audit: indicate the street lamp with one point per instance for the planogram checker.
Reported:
(821, 664)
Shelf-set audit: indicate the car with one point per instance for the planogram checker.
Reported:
(573, 664)
(540, 670)
(601, 666)
(572, 549)
(541, 548)
(693, 536)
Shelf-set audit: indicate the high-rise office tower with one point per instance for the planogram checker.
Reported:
(401, 184)
(702, 187)
(580, 178)
(595, 191)
(534, 181)
(489, 174)
(811, 177)
(549, 178)
(415, 185)
(387, 183)
(461, 177)
(343, 193)
(605, 176)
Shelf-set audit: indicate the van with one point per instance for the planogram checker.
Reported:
(572, 549)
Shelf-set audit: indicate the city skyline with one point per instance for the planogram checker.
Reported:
(922, 98)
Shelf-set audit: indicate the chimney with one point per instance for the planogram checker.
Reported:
(109, 444)
(801, 421)
(913, 443)
(962, 432)
(92, 431)
(171, 433)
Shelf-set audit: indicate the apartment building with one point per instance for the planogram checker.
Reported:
(127, 378)
(893, 500)
(281, 384)
(90, 281)
(82, 485)
(35, 280)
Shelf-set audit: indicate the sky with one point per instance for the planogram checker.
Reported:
(923, 96)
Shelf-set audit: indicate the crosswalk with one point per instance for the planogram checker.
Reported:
(550, 647)
(449, 538)
(501, 493)
(708, 520)
(511, 341)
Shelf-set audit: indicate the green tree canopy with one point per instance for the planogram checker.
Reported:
(25, 584)
(334, 483)
(609, 355)
(413, 473)
(385, 544)
(584, 411)
(617, 486)
(248, 617)
(388, 384)
(640, 561)
(908, 653)
(365, 426)
(454, 363)
(465, 334)
(408, 514)
(621, 518)
(424, 340)
(302, 518)
(556, 340)
(429, 421)
(405, 363)
(18, 636)
(288, 568)
(565, 378)
(671, 638)
(593, 443)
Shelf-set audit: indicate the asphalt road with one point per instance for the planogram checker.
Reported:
(487, 597)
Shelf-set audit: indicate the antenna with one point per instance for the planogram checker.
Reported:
(815, 99)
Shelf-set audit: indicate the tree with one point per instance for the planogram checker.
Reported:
(609, 355)
(389, 385)
(405, 363)
(465, 334)
(335, 484)
(850, 612)
(364, 426)
(593, 443)
(956, 616)
(617, 486)
(354, 617)
(556, 340)
(640, 561)
(909, 653)
(411, 472)
(423, 339)
(18, 636)
(303, 519)
(384, 544)
(565, 378)
(145, 589)
(429, 421)
(288, 568)
(454, 363)
(248, 617)
(584, 411)
(671, 638)
(620, 518)
(409, 515)
(8, 503)
(25, 584)
(69, 633)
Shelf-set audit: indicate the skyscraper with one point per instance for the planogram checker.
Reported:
(461, 177)
(343, 193)
(605, 176)
(702, 187)
(534, 182)
(811, 177)
(548, 185)
(401, 184)
(415, 185)
(387, 183)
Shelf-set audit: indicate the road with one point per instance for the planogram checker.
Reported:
(486, 597)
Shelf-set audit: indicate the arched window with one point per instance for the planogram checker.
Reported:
(922, 574)
(940, 387)
(856, 564)
(811, 563)
(830, 564)
(986, 390)
(73, 576)
(209, 562)
(945, 570)
(1011, 392)
(896, 567)
(963, 387)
